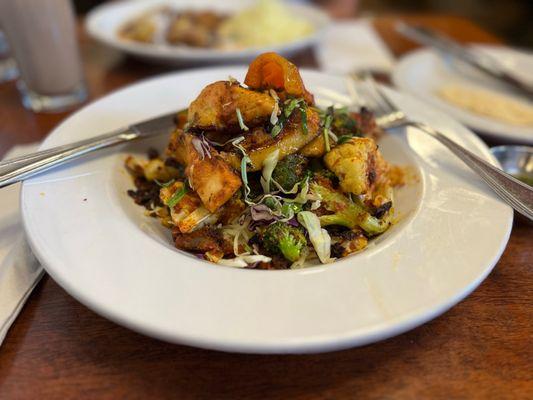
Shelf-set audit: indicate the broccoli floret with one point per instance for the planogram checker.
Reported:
(344, 124)
(291, 170)
(347, 213)
(320, 172)
(283, 238)
(291, 209)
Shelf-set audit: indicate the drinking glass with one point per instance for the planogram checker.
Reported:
(8, 68)
(42, 37)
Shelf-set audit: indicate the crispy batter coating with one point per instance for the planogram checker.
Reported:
(210, 176)
(216, 107)
(291, 139)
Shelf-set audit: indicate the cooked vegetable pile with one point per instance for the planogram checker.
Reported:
(257, 176)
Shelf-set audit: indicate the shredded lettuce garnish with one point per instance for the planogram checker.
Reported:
(302, 196)
(275, 111)
(201, 145)
(244, 261)
(244, 163)
(268, 167)
(327, 124)
(244, 176)
(164, 184)
(238, 231)
(319, 237)
(241, 122)
(177, 196)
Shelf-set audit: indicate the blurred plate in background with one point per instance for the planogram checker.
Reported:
(424, 71)
(104, 21)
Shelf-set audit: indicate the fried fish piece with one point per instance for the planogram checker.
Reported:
(215, 109)
(291, 139)
(209, 175)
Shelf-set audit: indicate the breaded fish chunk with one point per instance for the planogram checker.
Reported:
(259, 144)
(216, 107)
(214, 180)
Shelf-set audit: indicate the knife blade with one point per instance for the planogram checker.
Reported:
(20, 168)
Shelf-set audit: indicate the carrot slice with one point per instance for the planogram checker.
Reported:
(272, 71)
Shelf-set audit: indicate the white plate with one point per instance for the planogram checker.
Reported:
(103, 22)
(98, 245)
(423, 71)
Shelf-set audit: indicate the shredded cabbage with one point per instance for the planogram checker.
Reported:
(302, 197)
(243, 261)
(319, 237)
(241, 122)
(275, 110)
(244, 162)
(268, 167)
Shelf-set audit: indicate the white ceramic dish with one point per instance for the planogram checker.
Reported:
(423, 71)
(97, 244)
(103, 22)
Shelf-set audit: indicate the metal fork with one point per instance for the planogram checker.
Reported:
(515, 193)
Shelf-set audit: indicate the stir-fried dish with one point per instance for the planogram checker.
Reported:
(257, 176)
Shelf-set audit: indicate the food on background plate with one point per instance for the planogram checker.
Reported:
(488, 103)
(257, 176)
(268, 22)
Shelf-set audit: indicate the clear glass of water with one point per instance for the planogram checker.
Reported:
(42, 37)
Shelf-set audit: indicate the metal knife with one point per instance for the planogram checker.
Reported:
(484, 63)
(20, 168)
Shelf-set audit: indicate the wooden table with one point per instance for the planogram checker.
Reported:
(60, 349)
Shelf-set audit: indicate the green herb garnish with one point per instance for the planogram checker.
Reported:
(290, 106)
(165, 184)
(178, 195)
(344, 139)
(327, 125)
(276, 129)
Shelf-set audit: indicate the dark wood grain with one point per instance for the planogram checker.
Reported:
(59, 349)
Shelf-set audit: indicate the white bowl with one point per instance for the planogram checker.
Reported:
(98, 245)
(422, 72)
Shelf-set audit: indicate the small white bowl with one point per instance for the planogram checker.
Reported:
(516, 160)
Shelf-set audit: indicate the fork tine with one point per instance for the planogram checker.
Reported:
(364, 81)
(389, 107)
(357, 100)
